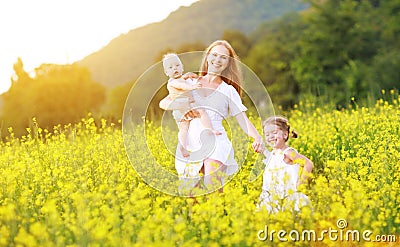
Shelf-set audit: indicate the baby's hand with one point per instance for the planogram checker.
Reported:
(190, 75)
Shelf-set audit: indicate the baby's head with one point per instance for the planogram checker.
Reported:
(173, 66)
(277, 130)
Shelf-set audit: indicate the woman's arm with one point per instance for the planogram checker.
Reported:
(248, 127)
(168, 104)
(183, 85)
(165, 103)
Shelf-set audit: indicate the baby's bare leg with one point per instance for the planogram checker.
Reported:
(205, 120)
(182, 136)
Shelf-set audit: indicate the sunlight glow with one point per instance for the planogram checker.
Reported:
(64, 31)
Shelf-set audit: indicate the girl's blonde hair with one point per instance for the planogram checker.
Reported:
(232, 75)
(282, 123)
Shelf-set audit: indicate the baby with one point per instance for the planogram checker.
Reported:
(180, 100)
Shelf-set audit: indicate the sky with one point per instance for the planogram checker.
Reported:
(65, 31)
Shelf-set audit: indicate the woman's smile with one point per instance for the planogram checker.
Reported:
(218, 59)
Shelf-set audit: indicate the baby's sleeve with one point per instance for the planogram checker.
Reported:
(235, 105)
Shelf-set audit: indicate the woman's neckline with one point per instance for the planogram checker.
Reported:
(213, 89)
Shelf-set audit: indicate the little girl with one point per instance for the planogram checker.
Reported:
(284, 171)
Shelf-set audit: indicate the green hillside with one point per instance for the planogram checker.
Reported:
(129, 55)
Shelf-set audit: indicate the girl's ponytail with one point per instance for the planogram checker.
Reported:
(293, 134)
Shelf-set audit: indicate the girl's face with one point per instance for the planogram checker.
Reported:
(218, 59)
(274, 136)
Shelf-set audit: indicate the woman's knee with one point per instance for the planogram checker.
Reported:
(211, 166)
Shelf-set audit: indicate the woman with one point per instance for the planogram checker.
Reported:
(220, 77)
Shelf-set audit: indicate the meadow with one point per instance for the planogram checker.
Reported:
(75, 186)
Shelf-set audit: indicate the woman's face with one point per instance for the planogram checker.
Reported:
(218, 59)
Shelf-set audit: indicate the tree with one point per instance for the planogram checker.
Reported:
(270, 58)
(20, 74)
(65, 93)
(57, 94)
(339, 35)
(239, 42)
(116, 98)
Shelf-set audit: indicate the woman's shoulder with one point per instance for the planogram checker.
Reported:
(226, 85)
(227, 88)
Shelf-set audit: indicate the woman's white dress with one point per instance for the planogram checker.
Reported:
(279, 189)
(223, 102)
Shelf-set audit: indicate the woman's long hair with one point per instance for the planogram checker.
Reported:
(232, 74)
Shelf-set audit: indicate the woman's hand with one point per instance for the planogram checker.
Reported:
(191, 115)
(168, 104)
(258, 145)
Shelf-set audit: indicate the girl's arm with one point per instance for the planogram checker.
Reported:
(248, 127)
(298, 158)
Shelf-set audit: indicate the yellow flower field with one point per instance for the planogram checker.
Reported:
(75, 186)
